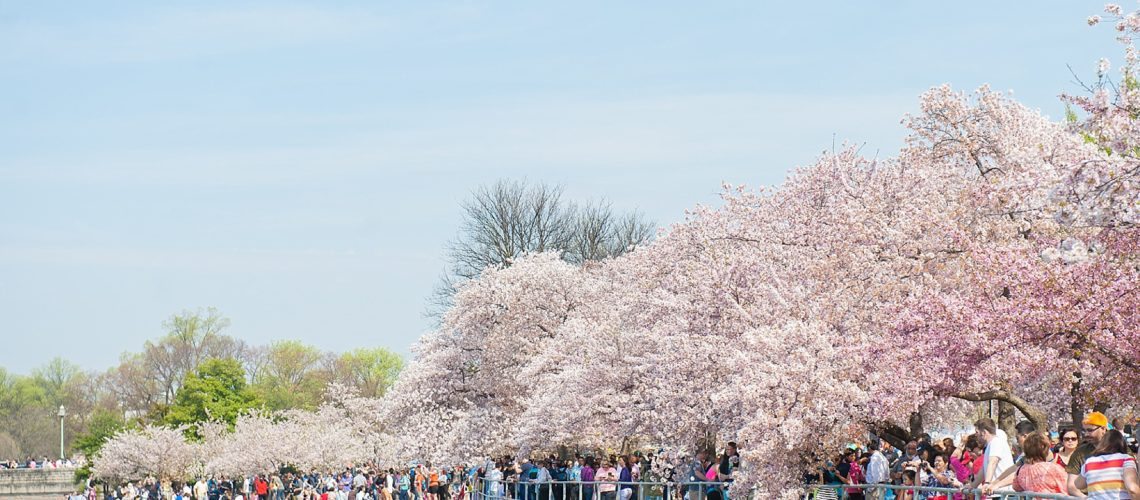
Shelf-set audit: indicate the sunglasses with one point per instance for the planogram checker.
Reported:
(1070, 439)
(1089, 429)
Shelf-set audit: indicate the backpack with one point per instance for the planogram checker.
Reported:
(533, 474)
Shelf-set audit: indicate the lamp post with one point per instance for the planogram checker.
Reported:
(62, 413)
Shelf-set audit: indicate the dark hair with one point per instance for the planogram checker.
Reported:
(986, 424)
(948, 447)
(1112, 442)
(972, 442)
(1025, 427)
(1036, 447)
(873, 445)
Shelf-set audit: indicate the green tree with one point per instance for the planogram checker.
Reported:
(369, 371)
(29, 405)
(291, 376)
(58, 379)
(192, 337)
(217, 390)
(102, 425)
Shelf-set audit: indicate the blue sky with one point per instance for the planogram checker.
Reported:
(299, 165)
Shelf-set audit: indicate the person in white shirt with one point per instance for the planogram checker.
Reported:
(494, 477)
(998, 456)
(878, 469)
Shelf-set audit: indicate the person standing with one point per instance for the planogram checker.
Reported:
(405, 488)
(851, 473)
(588, 479)
(605, 475)
(433, 483)
(1093, 428)
(729, 462)
(908, 458)
(878, 470)
(1109, 473)
(261, 487)
(695, 474)
(1038, 474)
(1070, 440)
(997, 456)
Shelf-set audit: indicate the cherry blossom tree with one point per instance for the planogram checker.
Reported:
(462, 396)
(992, 259)
(161, 452)
(1042, 299)
(1104, 190)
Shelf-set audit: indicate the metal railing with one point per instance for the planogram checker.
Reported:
(515, 489)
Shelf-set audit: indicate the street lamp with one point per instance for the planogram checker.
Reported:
(62, 413)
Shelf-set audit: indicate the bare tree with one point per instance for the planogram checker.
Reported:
(505, 221)
(192, 337)
(509, 219)
(599, 233)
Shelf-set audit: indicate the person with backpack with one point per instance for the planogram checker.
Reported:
(559, 475)
(404, 483)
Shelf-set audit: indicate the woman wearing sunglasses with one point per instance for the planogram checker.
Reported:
(1070, 439)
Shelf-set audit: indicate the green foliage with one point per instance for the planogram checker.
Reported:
(215, 391)
(291, 377)
(102, 426)
(18, 392)
(58, 381)
(370, 371)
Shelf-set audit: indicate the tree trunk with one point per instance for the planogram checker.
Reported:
(1007, 418)
(1032, 413)
(707, 443)
(1076, 406)
(893, 434)
(915, 423)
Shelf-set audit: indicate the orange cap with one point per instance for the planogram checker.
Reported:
(1096, 418)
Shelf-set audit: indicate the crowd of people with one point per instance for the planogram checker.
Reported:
(368, 482)
(601, 477)
(1095, 460)
(608, 477)
(41, 463)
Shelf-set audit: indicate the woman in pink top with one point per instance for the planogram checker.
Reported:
(606, 472)
(1039, 474)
